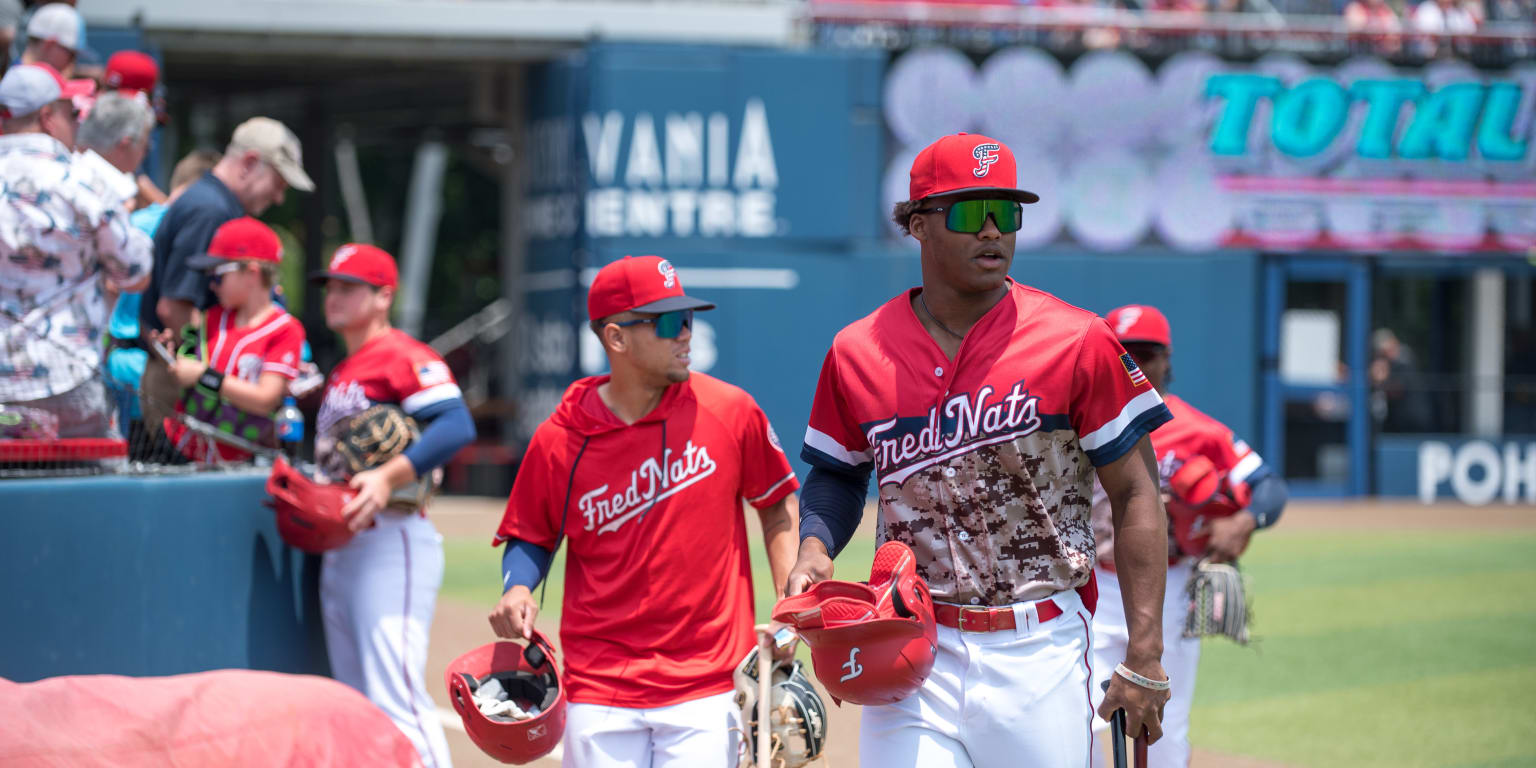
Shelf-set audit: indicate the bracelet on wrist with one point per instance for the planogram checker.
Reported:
(211, 380)
(1142, 680)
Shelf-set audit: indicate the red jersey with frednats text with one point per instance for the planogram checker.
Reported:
(390, 368)
(985, 463)
(658, 584)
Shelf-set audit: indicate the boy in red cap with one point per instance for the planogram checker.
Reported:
(378, 593)
(985, 408)
(247, 349)
(1218, 491)
(643, 473)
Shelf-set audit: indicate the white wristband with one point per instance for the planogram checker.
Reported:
(1141, 680)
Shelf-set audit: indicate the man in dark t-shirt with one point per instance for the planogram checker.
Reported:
(262, 162)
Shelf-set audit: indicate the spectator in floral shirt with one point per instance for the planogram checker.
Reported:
(60, 232)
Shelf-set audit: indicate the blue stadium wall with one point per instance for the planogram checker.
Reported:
(152, 576)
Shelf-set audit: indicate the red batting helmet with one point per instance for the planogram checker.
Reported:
(1199, 493)
(531, 676)
(308, 513)
(870, 643)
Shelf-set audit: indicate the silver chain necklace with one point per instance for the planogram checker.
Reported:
(936, 320)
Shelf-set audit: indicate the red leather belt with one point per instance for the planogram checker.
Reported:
(987, 619)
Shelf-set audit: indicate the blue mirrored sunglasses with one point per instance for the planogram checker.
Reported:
(669, 325)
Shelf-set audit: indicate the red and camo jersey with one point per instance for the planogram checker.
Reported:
(1192, 433)
(273, 345)
(985, 464)
(390, 368)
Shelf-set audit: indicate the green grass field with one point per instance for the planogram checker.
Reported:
(1373, 649)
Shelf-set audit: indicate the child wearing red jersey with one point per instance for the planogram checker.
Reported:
(378, 592)
(643, 473)
(248, 347)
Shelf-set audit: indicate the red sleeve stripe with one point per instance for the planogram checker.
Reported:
(772, 488)
(1111, 431)
(829, 445)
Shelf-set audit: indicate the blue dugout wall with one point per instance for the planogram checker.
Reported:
(152, 576)
(784, 149)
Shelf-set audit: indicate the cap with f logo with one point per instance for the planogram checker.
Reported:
(967, 163)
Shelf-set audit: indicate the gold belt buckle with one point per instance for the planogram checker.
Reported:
(981, 615)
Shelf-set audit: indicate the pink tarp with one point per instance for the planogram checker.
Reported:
(226, 718)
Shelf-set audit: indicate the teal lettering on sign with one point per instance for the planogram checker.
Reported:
(1309, 116)
(1384, 99)
(1242, 93)
(1443, 123)
(1495, 134)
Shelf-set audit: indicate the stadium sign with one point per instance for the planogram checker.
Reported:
(1477, 472)
(675, 174)
(1450, 122)
(1204, 153)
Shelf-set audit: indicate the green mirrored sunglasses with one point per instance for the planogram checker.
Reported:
(970, 216)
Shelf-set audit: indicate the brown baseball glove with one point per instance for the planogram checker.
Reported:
(369, 439)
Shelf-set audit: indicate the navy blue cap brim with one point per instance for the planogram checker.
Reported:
(1003, 192)
(673, 304)
(320, 277)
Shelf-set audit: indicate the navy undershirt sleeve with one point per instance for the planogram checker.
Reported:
(449, 428)
(1268, 501)
(831, 505)
(523, 563)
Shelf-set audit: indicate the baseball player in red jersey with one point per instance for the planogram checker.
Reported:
(1241, 494)
(249, 348)
(378, 592)
(985, 408)
(643, 472)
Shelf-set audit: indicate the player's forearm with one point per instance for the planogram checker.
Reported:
(780, 523)
(1141, 561)
(1141, 548)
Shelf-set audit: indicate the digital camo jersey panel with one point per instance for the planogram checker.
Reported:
(985, 464)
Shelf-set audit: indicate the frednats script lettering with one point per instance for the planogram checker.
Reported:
(1015, 415)
(648, 484)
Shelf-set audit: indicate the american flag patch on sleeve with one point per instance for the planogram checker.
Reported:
(1133, 370)
(432, 372)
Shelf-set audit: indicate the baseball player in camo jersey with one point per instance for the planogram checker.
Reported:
(985, 408)
(643, 472)
(378, 592)
(1248, 495)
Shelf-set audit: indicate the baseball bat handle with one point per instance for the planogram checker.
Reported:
(1117, 736)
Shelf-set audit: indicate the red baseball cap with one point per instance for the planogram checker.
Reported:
(967, 162)
(132, 72)
(360, 263)
(1140, 323)
(242, 239)
(638, 284)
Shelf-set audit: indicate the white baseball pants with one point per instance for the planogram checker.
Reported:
(995, 699)
(1181, 659)
(702, 733)
(377, 595)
